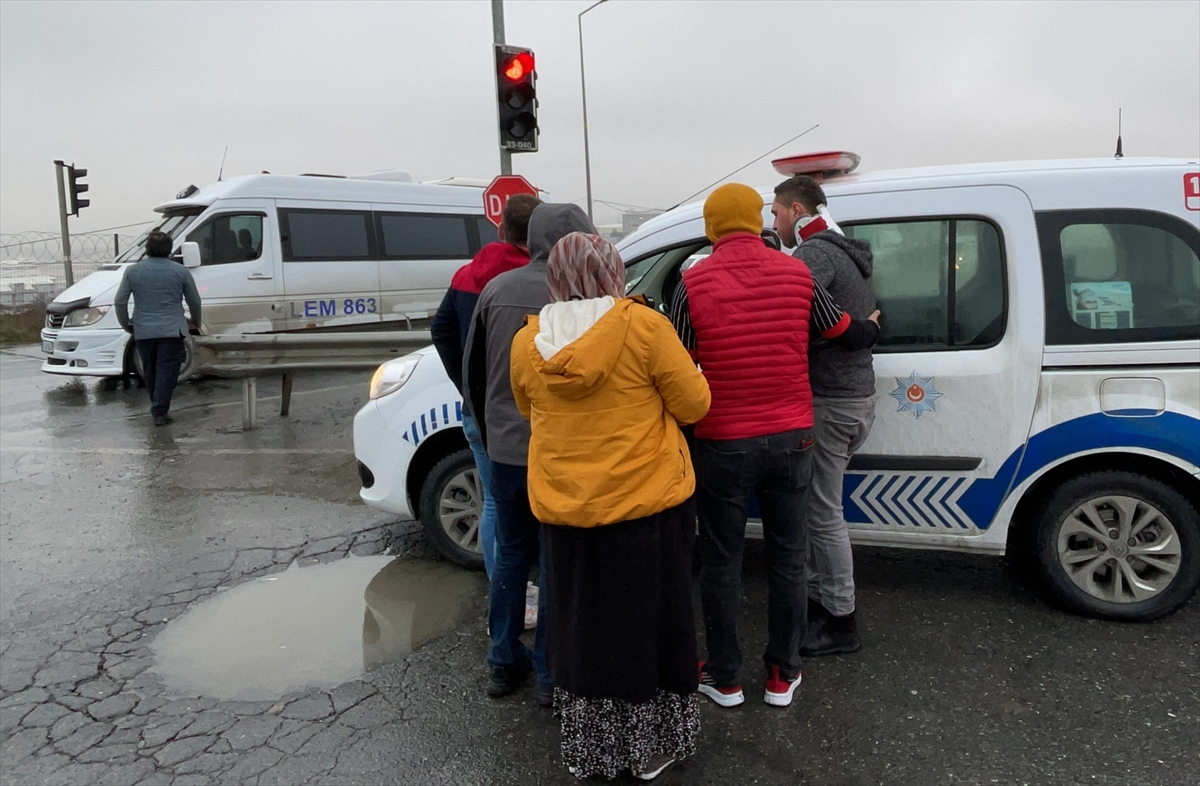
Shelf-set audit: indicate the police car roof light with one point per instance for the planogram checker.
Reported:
(829, 163)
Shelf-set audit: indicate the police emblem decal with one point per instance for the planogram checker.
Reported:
(915, 394)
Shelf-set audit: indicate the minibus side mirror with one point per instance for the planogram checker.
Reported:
(191, 254)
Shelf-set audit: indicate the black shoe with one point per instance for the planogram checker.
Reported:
(162, 420)
(816, 612)
(831, 636)
(505, 679)
(545, 696)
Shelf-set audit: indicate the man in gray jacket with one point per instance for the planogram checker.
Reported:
(159, 286)
(501, 311)
(843, 385)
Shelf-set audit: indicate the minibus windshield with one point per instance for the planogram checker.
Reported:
(173, 224)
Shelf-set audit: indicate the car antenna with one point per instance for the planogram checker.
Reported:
(1119, 153)
(222, 170)
(739, 169)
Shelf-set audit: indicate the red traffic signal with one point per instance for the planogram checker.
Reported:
(516, 99)
(518, 67)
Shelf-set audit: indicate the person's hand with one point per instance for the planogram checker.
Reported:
(875, 317)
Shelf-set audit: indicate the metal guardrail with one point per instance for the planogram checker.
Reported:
(251, 355)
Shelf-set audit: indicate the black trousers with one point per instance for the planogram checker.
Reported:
(161, 361)
(777, 469)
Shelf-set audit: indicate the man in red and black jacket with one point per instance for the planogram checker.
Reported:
(453, 320)
(747, 313)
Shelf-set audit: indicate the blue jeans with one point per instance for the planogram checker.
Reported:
(518, 548)
(777, 468)
(487, 519)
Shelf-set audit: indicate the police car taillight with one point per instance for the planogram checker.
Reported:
(829, 164)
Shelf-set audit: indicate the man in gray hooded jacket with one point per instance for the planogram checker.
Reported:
(501, 311)
(843, 385)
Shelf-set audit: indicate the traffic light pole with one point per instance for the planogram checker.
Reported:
(62, 217)
(498, 38)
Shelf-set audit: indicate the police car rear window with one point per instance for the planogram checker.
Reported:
(1119, 276)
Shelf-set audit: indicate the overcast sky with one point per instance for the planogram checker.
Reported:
(146, 95)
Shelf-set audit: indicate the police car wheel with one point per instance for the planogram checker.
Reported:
(1119, 545)
(451, 505)
(186, 370)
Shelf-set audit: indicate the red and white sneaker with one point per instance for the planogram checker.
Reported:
(779, 690)
(726, 696)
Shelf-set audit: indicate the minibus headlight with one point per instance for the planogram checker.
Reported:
(392, 375)
(82, 317)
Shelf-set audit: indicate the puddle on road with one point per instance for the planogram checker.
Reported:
(317, 626)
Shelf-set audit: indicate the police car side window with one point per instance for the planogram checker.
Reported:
(939, 282)
(1119, 276)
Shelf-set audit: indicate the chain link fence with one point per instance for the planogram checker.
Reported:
(31, 263)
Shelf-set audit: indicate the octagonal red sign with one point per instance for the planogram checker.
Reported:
(497, 194)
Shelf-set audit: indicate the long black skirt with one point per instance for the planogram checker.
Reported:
(621, 640)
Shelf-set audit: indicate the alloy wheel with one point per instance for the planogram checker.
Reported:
(459, 509)
(1119, 549)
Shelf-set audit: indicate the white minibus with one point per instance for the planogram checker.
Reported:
(277, 253)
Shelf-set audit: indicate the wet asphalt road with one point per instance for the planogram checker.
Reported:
(109, 528)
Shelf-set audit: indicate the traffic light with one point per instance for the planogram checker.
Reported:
(516, 99)
(74, 176)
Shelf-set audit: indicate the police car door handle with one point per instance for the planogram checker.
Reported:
(259, 277)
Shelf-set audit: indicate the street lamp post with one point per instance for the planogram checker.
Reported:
(587, 159)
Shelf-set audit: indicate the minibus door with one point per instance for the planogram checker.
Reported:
(238, 277)
(330, 264)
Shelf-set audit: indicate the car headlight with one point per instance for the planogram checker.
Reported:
(81, 317)
(392, 375)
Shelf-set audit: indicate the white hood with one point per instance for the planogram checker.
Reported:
(100, 287)
(561, 323)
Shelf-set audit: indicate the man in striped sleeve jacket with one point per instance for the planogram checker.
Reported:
(746, 314)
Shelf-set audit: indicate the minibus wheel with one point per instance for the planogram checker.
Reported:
(185, 371)
(451, 506)
(1119, 545)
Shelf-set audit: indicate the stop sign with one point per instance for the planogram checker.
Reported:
(497, 194)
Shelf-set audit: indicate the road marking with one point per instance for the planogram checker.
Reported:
(181, 450)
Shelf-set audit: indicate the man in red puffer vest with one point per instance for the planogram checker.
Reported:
(746, 313)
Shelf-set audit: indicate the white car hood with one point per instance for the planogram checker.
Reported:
(100, 287)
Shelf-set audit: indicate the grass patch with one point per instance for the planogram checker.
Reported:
(22, 325)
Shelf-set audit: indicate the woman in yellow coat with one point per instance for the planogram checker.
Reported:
(606, 385)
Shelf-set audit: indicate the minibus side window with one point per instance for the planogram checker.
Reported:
(424, 236)
(487, 232)
(939, 282)
(1119, 276)
(321, 235)
(228, 238)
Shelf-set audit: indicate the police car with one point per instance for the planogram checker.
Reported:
(1037, 374)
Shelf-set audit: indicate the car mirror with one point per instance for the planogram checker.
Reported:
(191, 254)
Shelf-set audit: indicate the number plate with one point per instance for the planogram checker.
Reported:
(48, 346)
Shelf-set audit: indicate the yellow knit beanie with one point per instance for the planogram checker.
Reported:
(732, 208)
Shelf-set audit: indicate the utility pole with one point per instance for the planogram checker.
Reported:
(587, 156)
(498, 38)
(62, 217)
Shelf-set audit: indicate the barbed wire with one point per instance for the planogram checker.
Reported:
(41, 247)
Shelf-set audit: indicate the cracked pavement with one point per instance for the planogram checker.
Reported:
(110, 529)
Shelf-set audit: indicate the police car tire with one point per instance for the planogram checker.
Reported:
(186, 370)
(431, 492)
(1062, 501)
